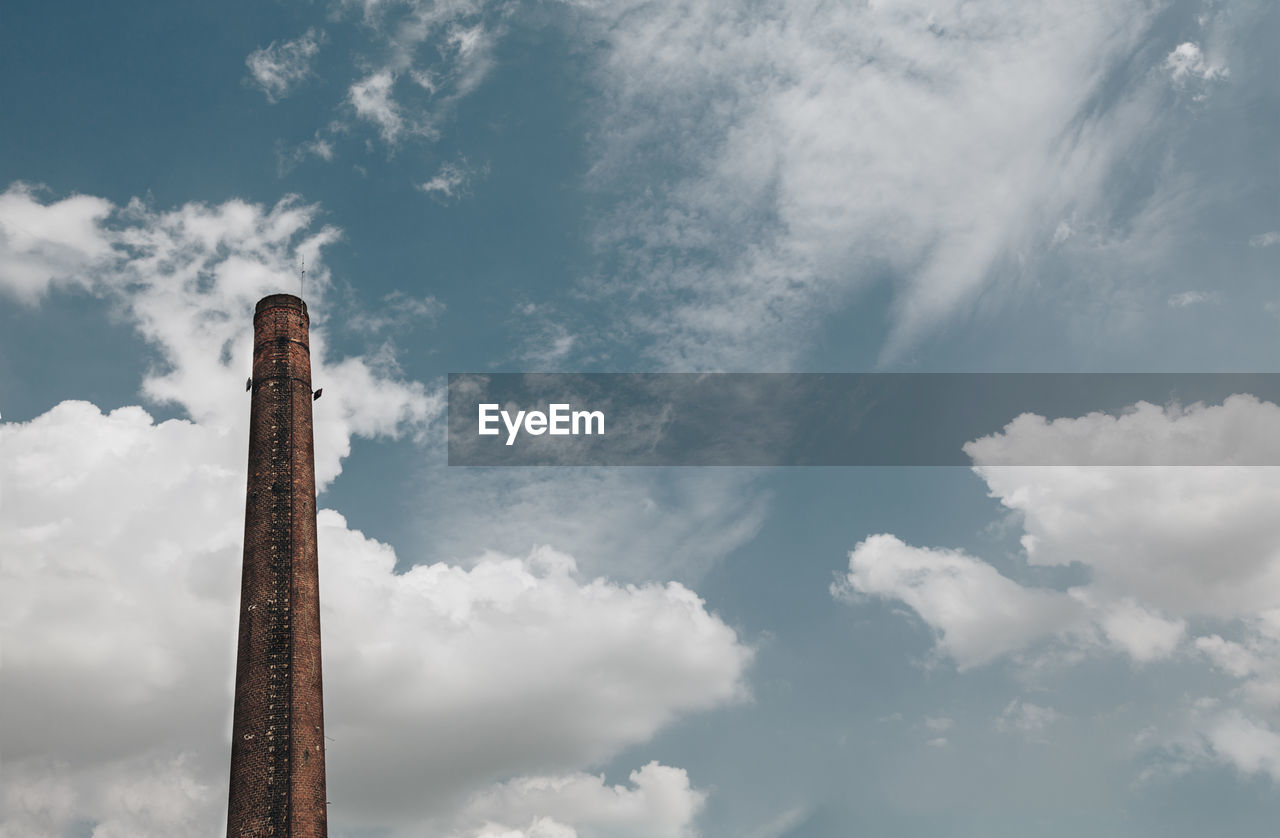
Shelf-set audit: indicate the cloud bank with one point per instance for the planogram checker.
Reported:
(1182, 563)
(459, 698)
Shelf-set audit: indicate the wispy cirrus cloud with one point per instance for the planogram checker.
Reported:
(806, 154)
(371, 98)
(757, 168)
(280, 67)
(1026, 718)
(409, 65)
(429, 57)
(451, 181)
(1186, 299)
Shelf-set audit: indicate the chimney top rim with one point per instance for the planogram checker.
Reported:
(280, 301)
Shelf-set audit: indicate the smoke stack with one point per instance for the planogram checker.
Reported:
(277, 745)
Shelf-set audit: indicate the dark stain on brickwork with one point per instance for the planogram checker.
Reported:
(277, 748)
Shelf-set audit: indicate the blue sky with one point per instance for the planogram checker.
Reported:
(607, 185)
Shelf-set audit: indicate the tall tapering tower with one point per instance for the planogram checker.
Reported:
(277, 745)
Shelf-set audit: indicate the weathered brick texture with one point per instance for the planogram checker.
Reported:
(277, 747)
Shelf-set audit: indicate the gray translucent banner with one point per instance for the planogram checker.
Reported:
(822, 419)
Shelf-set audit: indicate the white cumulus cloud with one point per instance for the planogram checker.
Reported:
(1166, 550)
(120, 541)
(977, 613)
(1188, 61)
(658, 803)
(42, 244)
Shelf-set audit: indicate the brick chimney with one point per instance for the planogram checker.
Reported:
(277, 736)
